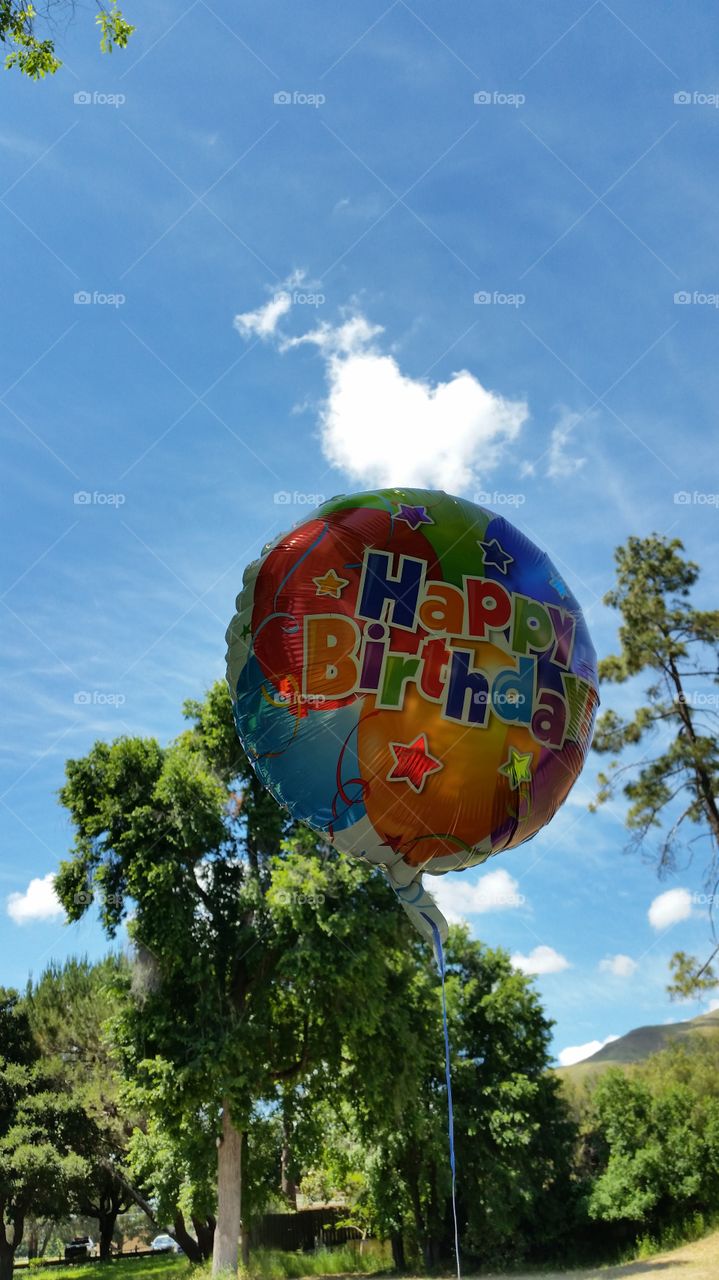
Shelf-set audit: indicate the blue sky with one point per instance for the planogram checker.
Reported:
(576, 196)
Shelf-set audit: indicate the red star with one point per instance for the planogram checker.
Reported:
(412, 762)
(392, 842)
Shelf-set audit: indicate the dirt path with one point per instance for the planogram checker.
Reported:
(696, 1261)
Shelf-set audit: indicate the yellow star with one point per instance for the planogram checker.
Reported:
(517, 768)
(331, 584)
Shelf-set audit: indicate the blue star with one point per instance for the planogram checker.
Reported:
(414, 516)
(494, 555)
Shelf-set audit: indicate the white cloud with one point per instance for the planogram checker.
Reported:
(560, 461)
(542, 959)
(713, 1006)
(263, 322)
(457, 897)
(578, 1052)
(619, 966)
(38, 902)
(384, 427)
(669, 908)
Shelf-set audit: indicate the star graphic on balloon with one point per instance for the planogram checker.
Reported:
(412, 762)
(330, 584)
(392, 842)
(246, 630)
(518, 768)
(495, 555)
(559, 585)
(413, 516)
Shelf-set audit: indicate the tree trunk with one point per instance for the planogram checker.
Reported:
(106, 1222)
(288, 1184)
(190, 1247)
(398, 1259)
(205, 1233)
(229, 1196)
(7, 1255)
(245, 1246)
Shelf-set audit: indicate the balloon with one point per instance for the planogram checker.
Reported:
(412, 678)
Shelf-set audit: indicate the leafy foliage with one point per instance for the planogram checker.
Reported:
(37, 58)
(677, 775)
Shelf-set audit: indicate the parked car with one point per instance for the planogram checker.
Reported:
(79, 1247)
(165, 1244)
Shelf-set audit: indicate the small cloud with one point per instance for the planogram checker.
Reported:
(561, 462)
(619, 966)
(578, 1052)
(669, 908)
(263, 322)
(542, 959)
(458, 897)
(38, 902)
(713, 1005)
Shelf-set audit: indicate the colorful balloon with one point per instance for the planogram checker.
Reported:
(413, 679)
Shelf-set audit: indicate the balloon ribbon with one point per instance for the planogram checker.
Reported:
(450, 1111)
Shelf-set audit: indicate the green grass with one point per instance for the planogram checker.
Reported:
(166, 1266)
(265, 1264)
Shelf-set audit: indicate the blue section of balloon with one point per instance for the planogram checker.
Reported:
(312, 795)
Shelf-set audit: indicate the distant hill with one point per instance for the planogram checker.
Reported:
(639, 1044)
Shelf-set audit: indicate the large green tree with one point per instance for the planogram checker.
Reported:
(258, 952)
(665, 755)
(69, 1009)
(43, 1134)
(513, 1136)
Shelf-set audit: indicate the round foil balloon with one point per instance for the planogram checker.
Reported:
(412, 678)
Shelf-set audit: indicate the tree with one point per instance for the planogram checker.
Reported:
(676, 778)
(41, 1129)
(256, 951)
(36, 57)
(513, 1136)
(69, 1009)
(658, 1138)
